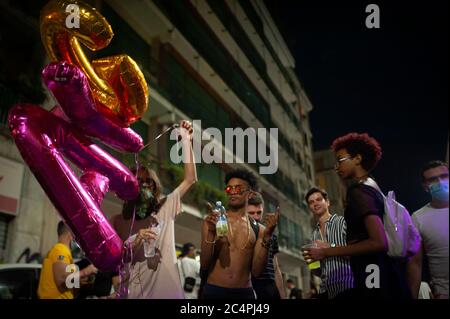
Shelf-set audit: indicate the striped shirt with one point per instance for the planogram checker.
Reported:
(269, 272)
(336, 273)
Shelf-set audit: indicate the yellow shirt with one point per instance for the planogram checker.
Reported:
(47, 287)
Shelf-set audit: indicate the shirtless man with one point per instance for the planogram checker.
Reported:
(230, 261)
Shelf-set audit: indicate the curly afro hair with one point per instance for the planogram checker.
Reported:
(244, 175)
(362, 144)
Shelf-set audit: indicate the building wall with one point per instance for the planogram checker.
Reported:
(327, 179)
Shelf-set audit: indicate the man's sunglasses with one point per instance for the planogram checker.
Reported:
(236, 189)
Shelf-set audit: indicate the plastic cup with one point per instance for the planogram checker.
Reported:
(314, 264)
(150, 246)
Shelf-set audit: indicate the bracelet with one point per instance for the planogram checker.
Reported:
(266, 243)
(210, 242)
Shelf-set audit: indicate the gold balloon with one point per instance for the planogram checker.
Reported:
(117, 84)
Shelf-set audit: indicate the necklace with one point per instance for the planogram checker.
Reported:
(248, 232)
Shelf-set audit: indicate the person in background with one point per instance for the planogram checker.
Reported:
(432, 222)
(270, 284)
(55, 270)
(330, 231)
(294, 292)
(189, 269)
(97, 285)
(357, 154)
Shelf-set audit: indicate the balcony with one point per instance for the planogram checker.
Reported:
(195, 30)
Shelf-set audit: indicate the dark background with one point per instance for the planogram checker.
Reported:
(391, 82)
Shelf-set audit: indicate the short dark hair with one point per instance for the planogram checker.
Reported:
(316, 190)
(430, 165)
(62, 228)
(244, 175)
(362, 144)
(185, 249)
(290, 281)
(256, 199)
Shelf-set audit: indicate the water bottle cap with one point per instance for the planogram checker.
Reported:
(218, 203)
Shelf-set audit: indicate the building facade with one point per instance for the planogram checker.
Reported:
(328, 179)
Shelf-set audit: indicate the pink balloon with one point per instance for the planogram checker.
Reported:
(71, 89)
(95, 184)
(45, 139)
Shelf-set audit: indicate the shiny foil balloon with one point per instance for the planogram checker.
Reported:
(44, 140)
(118, 85)
(70, 87)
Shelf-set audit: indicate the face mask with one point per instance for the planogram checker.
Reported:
(146, 194)
(439, 191)
(145, 197)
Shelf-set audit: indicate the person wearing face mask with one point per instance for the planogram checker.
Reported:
(432, 222)
(153, 275)
(52, 281)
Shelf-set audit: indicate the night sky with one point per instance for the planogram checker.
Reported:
(391, 82)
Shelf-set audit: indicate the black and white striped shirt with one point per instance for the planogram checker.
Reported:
(336, 273)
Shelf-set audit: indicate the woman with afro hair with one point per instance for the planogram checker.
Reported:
(376, 275)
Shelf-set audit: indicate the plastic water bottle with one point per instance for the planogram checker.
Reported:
(222, 223)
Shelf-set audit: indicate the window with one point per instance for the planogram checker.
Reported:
(125, 40)
(189, 95)
(282, 231)
(4, 223)
(210, 173)
(185, 18)
(291, 235)
(298, 236)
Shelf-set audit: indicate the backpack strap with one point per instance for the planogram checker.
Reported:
(371, 182)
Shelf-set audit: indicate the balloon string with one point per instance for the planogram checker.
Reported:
(138, 167)
(128, 248)
(173, 126)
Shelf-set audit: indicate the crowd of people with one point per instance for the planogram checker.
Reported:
(243, 263)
